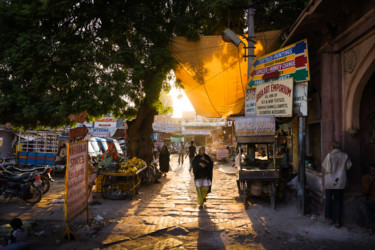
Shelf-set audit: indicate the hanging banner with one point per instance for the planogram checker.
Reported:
(254, 126)
(250, 103)
(275, 98)
(291, 61)
(76, 180)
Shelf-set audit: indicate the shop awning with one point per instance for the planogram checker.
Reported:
(214, 73)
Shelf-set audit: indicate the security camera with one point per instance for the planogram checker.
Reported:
(230, 36)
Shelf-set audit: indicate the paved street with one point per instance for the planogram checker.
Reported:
(166, 216)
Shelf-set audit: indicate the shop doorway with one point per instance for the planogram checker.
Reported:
(367, 125)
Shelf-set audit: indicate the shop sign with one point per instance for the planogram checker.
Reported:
(275, 98)
(76, 180)
(254, 126)
(291, 61)
(250, 103)
(222, 153)
(105, 122)
(300, 99)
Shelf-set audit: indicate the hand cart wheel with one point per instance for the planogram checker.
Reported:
(244, 192)
(273, 195)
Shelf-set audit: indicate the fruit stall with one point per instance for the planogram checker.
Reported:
(120, 180)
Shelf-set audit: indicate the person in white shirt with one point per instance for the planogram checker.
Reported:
(335, 165)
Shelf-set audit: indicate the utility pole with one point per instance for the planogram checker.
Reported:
(250, 38)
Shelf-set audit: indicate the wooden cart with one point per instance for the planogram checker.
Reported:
(255, 179)
(117, 186)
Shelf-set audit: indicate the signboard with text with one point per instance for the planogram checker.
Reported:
(254, 126)
(300, 99)
(105, 122)
(76, 180)
(275, 98)
(250, 103)
(291, 61)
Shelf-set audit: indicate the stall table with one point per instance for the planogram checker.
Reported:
(257, 179)
(117, 186)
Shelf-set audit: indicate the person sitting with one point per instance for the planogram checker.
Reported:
(62, 155)
(368, 189)
(18, 237)
(109, 156)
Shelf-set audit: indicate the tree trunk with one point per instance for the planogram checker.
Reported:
(140, 131)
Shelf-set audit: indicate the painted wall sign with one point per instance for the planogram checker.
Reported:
(250, 103)
(291, 61)
(275, 98)
(254, 126)
(76, 180)
(300, 99)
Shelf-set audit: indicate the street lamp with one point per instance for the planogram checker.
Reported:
(230, 36)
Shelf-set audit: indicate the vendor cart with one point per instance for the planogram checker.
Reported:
(256, 164)
(117, 186)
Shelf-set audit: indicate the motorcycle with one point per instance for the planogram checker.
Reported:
(43, 171)
(24, 186)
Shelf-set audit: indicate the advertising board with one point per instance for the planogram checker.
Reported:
(76, 180)
(291, 61)
(275, 98)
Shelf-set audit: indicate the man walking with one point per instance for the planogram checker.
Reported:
(181, 153)
(192, 151)
(335, 165)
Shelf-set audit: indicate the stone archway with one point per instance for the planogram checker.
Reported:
(367, 125)
(354, 82)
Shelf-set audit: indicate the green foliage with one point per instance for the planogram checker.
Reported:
(277, 15)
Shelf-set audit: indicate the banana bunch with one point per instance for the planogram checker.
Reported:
(131, 166)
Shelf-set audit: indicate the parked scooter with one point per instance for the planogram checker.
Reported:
(24, 186)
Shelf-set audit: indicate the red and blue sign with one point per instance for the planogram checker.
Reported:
(291, 61)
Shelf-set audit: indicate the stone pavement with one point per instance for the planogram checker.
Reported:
(166, 216)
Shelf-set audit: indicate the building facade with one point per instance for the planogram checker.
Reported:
(341, 40)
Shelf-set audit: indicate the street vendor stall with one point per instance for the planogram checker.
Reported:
(256, 161)
(120, 180)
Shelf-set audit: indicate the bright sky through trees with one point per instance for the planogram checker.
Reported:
(180, 102)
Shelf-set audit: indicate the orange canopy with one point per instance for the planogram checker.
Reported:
(214, 73)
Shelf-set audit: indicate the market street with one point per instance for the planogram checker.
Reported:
(166, 216)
